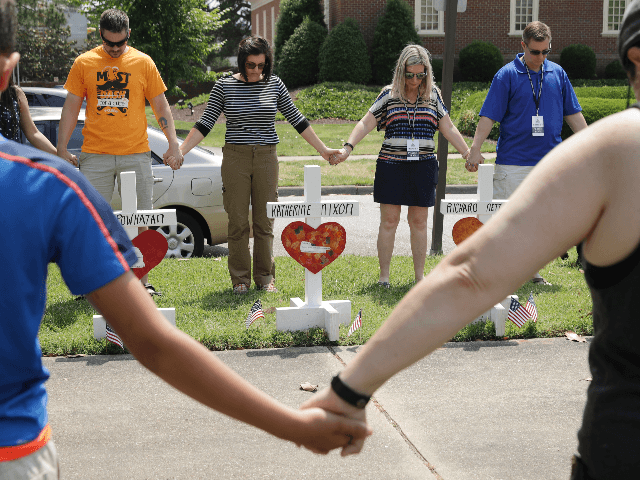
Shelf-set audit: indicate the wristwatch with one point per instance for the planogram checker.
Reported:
(347, 144)
(348, 395)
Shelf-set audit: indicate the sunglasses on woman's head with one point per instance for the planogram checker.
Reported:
(411, 75)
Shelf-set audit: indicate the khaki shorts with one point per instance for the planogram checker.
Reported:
(102, 169)
(40, 465)
(506, 178)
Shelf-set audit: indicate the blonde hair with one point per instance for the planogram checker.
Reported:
(411, 55)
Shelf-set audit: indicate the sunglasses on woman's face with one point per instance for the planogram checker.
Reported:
(411, 75)
(251, 66)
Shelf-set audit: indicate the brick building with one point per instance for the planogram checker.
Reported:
(590, 22)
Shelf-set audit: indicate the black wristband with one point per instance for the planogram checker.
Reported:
(345, 393)
(348, 145)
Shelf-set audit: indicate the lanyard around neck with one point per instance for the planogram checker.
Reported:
(535, 99)
(415, 109)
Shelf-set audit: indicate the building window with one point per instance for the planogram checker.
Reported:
(613, 10)
(429, 21)
(523, 12)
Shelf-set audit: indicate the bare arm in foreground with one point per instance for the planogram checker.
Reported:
(585, 189)
(191, 368)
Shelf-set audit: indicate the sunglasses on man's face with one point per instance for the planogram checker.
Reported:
(535, 53)
(251, 65)
(114, 44)
(411, 75)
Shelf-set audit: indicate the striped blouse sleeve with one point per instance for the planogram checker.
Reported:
(289, 110)
(214, 109)
(379, 108)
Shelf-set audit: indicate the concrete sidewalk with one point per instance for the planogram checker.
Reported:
(482, 410)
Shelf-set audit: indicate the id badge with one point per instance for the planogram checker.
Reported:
(413, 150)
(537, 126)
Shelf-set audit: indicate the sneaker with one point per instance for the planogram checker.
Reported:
(269, 287)
(240, 288)
(151, 290)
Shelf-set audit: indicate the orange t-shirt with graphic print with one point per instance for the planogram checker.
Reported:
(116, 89)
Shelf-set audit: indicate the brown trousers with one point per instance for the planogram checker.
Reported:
(250, 173)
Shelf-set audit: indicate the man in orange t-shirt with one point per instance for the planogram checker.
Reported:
(116, 79)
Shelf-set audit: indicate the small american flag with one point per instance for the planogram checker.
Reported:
(113, 337)
(357, 323)
(254, 314)
(531, 308)
(517, 313)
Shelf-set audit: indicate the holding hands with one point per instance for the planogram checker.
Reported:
(473, 159)
(173, 157)
(340, 156)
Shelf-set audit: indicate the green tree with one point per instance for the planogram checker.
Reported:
(292, 13)
(395, 29)
(176, 35)
(237, 17)
(343, 56)
(298, 63)
(43, 42)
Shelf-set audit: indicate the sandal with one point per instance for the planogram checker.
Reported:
(269, 287)
(539, 281)
(151, 290)
(240, 288)
(384, 284)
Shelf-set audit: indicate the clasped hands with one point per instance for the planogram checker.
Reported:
(334, 157)
(473, 160)
(173, 157)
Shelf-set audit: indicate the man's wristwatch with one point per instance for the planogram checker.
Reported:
(350, 396)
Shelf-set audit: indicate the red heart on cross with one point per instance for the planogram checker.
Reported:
(153, 246)
(314, 248)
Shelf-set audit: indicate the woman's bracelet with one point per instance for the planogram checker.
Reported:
(347, 144)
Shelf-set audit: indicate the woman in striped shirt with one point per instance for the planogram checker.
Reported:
(249, 100)
(410, 110)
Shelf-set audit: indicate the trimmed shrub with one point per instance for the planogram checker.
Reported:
(470, 114)
(437, 64)
(602, 92)
(292, 13)
(615, 70)
(594, 108)
(579, 61)
(395, 29)
(298, 63)
(343, 56)
(479, 61)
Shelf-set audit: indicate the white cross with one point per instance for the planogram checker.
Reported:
(313, 312)
(131, 218)
(484, 207)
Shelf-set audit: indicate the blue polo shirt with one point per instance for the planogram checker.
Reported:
(51, 213)
(510, 102)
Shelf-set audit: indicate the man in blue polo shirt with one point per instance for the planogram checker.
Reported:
(530, 97)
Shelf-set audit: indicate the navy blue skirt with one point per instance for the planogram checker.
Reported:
(402, 182)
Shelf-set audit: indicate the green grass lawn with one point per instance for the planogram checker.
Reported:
(207, 310)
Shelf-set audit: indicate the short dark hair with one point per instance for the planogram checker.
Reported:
(114, 20)
(629, 36)
(8, 24)
(255, 45)
(537, 31)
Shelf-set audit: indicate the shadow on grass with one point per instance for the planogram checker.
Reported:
(64, 314)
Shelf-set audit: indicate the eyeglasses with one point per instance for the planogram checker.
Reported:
(411, 75)
(535, 53)
(251, 65)
(114, 44)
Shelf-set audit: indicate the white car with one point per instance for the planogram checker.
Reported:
(195, 190)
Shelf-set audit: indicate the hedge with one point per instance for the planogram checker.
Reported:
(594, 107)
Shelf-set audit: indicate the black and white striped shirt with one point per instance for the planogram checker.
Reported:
(250, 109)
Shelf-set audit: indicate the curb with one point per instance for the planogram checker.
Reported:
(367, 190)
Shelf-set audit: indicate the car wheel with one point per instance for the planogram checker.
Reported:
(185, 239)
